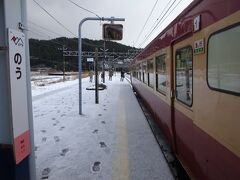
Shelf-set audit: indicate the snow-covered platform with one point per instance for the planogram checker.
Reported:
(111, 140)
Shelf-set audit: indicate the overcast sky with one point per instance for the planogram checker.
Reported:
(135, 12)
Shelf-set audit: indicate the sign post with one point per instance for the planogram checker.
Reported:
(96, 76)
(18, 88)
(17, 157)
(80, 51)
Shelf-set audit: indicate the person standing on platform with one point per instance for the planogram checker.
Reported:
(110, 74)
(102, 76)
(122, 75)
(91, 76)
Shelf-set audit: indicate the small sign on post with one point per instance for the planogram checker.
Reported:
(112, 19)
(112, 31)
(18, 88)
(90, 60)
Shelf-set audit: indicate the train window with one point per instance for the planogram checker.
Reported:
(184, 75)
(144, 70)
(134, 73)
(150, 73)
(223, 69)
(139, 69)
(161, 73)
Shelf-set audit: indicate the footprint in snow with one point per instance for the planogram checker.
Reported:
(43, 131)
(56, 138)
(99, 114)
(44, 139)
(103, 122)
(53, 119)
(96, 166)
(45, 173)
(102, 144)
(62, 128)
(35, 148)
(64, 151)
(95, 131)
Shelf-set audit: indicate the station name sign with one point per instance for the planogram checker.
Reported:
(18, 89)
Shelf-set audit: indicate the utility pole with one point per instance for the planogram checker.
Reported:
(104, 58)
(96, 76)
(64, 63)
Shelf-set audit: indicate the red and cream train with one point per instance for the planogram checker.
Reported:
(189, 78)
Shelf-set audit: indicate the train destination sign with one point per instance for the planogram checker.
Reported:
(112, 31)
(18, 89)
(199, 46)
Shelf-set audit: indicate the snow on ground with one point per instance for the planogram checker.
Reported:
(111, 140)
(44, 83)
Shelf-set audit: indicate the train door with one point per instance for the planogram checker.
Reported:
(182, 100)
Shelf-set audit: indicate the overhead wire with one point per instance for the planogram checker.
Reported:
(73, 40)
(172, 10)
(84, 8)
(37, 33)
(51, 40)
(89, 12)
(146, 37)
(54, 18)
(140, 33)
(44, 28)
(150, 29)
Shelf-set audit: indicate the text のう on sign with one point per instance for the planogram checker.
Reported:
(18, 90)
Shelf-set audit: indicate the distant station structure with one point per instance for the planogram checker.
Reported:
(116, 59)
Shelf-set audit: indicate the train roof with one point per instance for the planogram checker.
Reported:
(182, 26)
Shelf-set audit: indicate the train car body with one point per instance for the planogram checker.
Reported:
(189, 78)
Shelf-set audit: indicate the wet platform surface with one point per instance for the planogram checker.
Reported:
(111, 140)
